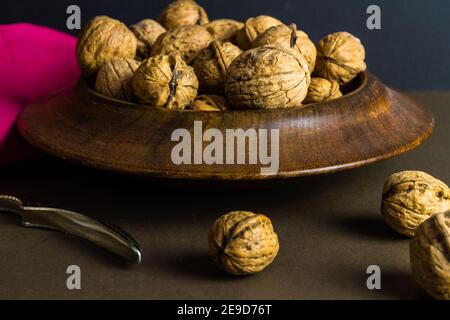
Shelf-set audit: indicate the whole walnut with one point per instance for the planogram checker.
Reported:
(102, 39)
(340, 57)
(224, 29)
(165, 81)
(321, 89)
(114, 78)
(266, 78)
(183, 13)
(411, 197)
(254, 27)
(186, 40)
(146, 32)
(430, 256)
(209, 102)
(211, 65)
(243, 242)
(291, 40)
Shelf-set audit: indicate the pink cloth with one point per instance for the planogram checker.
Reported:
(35, 62)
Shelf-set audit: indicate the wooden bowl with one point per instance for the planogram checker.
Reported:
(369, 124)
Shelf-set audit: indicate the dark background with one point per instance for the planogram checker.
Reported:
(410, 52)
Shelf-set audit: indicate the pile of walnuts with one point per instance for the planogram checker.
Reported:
(259, 64)
(416, 204)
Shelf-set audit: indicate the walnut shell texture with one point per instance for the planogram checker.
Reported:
(146, 32)
(114, 78)
(266, 78)
(212, 63)
(243, 242)
(165, 81)
(411, 197)
(254, 27)
(321, 89)
(290, 40)
(209, 102)
(102, 39)
(224, 29)
(183, 13)
(430, 256)
(188, 41)
(340, 57)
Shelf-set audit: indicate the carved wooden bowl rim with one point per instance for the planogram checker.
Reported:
(369, 124)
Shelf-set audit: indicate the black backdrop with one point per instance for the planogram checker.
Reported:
(411, 51)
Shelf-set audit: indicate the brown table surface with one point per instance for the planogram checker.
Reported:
(330, 230)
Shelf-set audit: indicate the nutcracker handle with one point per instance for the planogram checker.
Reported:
(111, 238)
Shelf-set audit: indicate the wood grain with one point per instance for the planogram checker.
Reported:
(369, 124)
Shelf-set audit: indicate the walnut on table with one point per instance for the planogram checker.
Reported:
(411, 197)
(243, 242)
(430, 256)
